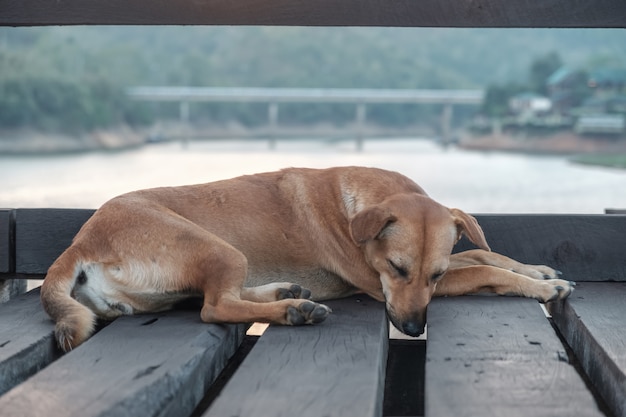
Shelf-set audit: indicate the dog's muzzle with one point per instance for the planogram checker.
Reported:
(411, 327)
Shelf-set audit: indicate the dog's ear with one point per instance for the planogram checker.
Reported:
(469, 226)
(368, 223)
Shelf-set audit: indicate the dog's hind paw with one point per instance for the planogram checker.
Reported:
(307, 313)
(294, 291)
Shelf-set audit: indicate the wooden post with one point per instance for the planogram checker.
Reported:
(361, 114)
(272, 114)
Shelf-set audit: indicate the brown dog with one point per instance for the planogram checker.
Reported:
(250, 246)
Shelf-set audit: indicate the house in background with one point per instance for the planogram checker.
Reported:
(530, 104)
(605, 111)
(607, 81)
(567, 88)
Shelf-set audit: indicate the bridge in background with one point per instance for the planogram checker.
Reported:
(274, 96)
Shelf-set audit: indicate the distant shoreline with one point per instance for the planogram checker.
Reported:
(562, 143)
(30, 142)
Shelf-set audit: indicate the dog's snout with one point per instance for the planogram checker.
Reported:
(412, 328)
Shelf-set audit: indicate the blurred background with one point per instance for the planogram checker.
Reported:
(543, 129)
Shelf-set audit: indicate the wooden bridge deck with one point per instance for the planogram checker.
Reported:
(483, 356)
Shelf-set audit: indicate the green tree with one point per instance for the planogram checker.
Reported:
(496, 101)
(541, 69)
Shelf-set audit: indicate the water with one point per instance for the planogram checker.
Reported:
(477, 182)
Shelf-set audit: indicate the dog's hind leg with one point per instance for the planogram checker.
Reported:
(219, 272)
(274, 292)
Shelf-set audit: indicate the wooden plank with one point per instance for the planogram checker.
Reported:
(41, 235)
(335, 368)
(592, 322)
(428, 13)
(497, 356)
(583, 247)
(26, 340)
(6, 241)
(159, 364)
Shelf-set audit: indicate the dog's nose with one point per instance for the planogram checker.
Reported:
(412, 328)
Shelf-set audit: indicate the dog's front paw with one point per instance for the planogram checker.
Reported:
(307, 312)
(553, 289)
(538, 272)
(294, 291)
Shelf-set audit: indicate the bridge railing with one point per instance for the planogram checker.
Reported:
(360, 97)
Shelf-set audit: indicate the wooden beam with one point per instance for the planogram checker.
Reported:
(592, 322)
(583, 247)
(157, 364)
(338, 365)
(426, 13)
(43, 234)
(497, 356)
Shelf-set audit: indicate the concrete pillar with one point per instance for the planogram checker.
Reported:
(446, 121)
(361, 114)
(184, 120)
(272, 115)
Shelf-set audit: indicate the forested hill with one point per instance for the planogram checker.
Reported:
(69, 65)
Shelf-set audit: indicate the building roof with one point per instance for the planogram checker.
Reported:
(559, 76)
(607, 76)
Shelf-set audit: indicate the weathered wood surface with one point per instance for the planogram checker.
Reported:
(583, 247)
(148, 365)
(593, 323)
(41, 235)
(497, 356)
(26, 340)
(428, 13)
(6, 241)
(336, 368)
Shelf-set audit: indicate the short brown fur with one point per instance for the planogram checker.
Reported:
(257, 247)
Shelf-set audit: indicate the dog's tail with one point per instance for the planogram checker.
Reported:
(74, 321)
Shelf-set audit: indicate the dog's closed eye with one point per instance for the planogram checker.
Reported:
(401, 271)
(437, 276)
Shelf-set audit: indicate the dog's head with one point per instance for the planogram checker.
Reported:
(408, 239)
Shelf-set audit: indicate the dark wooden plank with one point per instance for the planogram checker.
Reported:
(592, 322)
(497, 356)
(429, 13)
(335, 368)
(137, 366)
(583, 247)
(41, 235)
(6, 241)
(26, 340)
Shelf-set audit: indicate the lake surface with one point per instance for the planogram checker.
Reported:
(477, 182)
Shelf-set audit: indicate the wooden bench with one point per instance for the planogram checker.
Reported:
(484, 355)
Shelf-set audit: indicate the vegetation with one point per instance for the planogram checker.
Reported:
(611, 161)
(74, 78)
